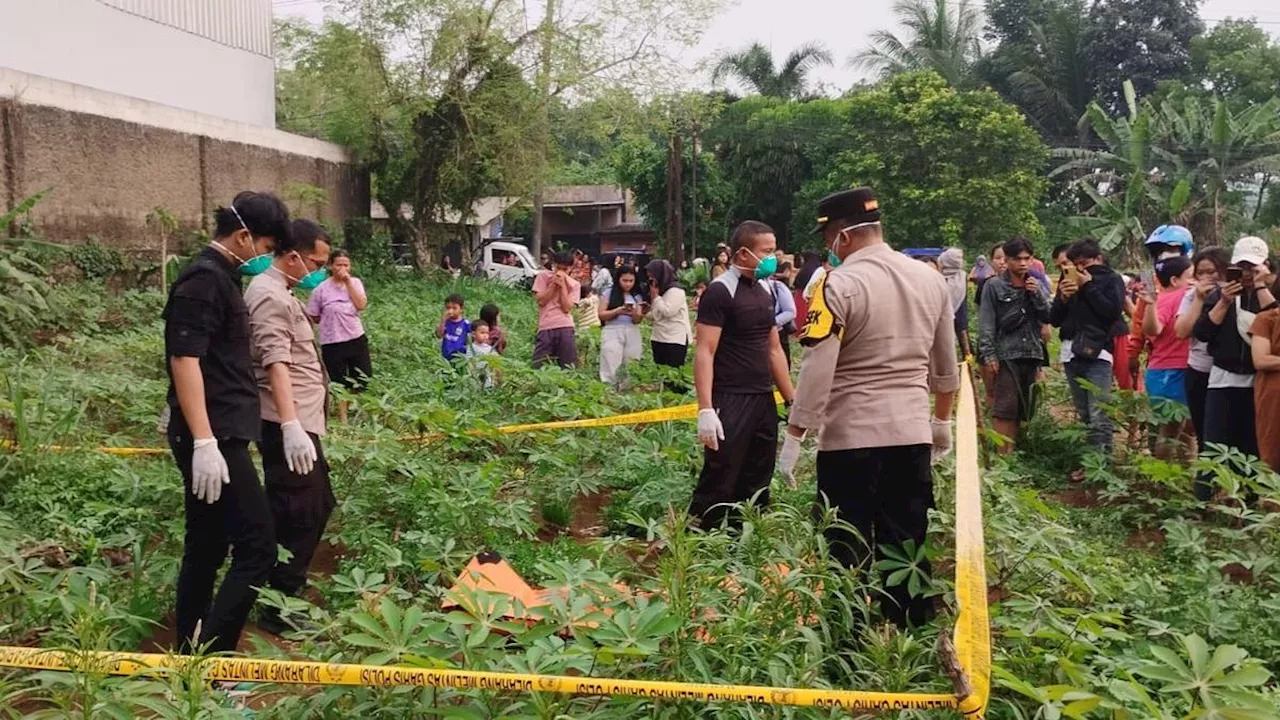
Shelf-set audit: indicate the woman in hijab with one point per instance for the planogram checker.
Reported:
(981, 270)
(669, 311)
(951, 262)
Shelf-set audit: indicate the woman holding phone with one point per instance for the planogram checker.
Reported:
(1225, 325)
(621, 316)
(1210, 267)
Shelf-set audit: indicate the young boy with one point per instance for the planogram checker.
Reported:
(480, 347)
(555, 292)
(453, 329)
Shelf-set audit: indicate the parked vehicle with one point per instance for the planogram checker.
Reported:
(508, 262)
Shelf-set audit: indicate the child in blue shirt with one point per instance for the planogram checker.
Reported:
(453, 329)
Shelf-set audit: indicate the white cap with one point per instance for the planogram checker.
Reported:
(1252, 250)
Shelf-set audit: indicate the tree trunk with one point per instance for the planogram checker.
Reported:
(544, 125)
(675, 196)
(535, 246)
(693, 217)
(164, 265)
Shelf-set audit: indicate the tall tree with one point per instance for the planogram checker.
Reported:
(439, 122)
(1238, 60)
(1041, 63)
(950, 167)
(942, 36)
(1142, 41)
(755, 70)
(1173, 162)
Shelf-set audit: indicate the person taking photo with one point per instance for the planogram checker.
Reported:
(1011, 318)
(1088, 309)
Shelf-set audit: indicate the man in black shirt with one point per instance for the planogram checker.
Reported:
(213, 401)
(738, 361)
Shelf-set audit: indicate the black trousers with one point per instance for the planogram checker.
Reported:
(300, 507)
(1228, 420)
(1197, 385)
(885, 494)
(786, 346)
(669, 354)
(743, 465)
(240, 522)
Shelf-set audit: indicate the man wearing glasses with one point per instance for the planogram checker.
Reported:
(292, 389)
(214, 411)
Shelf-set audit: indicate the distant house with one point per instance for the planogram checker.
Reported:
(592, 218)
(482, 223)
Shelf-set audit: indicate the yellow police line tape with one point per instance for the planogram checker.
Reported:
(972, 634)
(644, 417)
(294, 672)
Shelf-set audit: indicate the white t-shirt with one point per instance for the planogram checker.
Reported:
(1219, 378)
(1199, 358)
(1065, 355)
(814, 279)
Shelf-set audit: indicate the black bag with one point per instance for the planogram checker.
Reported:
(1088, 346)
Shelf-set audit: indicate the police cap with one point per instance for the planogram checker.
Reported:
(856, 206)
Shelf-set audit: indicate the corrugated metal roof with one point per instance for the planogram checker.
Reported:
(242, 24)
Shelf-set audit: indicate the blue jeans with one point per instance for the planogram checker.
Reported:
(1089, 402)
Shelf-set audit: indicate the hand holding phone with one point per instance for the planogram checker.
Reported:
(1235, 274)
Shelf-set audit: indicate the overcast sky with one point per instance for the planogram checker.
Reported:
(842, 25)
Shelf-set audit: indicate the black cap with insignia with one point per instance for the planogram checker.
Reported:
(857, 206)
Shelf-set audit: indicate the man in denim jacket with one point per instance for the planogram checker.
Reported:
(1014, 309)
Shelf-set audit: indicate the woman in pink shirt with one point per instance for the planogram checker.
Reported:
(336, 305)
(1167, 363)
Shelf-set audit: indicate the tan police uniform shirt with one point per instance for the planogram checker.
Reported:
(280, 332)
(880, 338)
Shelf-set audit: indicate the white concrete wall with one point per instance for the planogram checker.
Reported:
(96, 45)
(35, 90)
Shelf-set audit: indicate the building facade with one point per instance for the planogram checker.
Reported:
(112, 108)
(208, 56)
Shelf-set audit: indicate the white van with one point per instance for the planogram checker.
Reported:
(509, 263)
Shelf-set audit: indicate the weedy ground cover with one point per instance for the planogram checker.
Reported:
(1115, 597)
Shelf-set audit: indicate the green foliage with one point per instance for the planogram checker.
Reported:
(1238, 60)
(96, 260)
(22, 300)
(1138, 41)
(1172, 162)
(937, 159)
(754, 69)
(641, 165)
(942, 37)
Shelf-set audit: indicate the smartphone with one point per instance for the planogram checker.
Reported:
(1073, 274)
(1235, 274)
(1148, 279)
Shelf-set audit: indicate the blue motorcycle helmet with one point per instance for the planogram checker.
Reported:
(1169, 241)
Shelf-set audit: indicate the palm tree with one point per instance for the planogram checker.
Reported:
(1048, 79)
(1171, 163)
(943, 36)
(754, 68)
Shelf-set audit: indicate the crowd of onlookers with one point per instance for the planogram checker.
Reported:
(1204, 324)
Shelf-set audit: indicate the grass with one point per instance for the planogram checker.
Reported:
(1093, 605)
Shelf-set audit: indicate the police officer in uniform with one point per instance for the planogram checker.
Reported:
(880, 339)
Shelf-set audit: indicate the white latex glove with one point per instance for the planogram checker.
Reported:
(208, 470)
(710, 431)
(299, 451)
(788, 458)
(162, 424)
(941, 439)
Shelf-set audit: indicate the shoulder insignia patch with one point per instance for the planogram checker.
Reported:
(820, 323)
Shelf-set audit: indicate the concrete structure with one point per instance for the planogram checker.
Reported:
(208, 56)
(116, 107)
(580, 216)
(108, 160)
